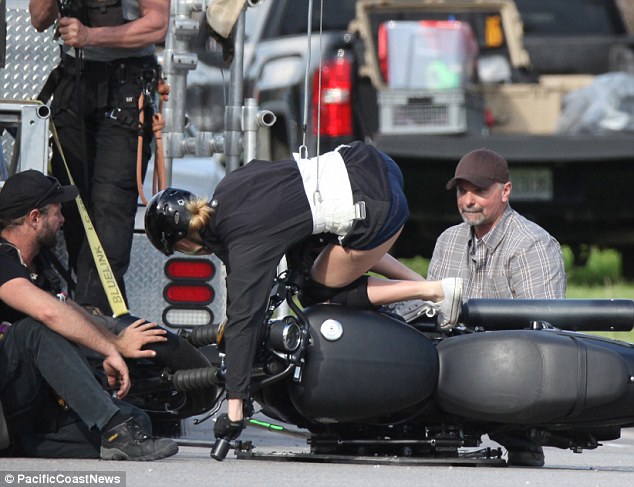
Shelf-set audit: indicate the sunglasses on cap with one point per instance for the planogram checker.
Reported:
(55, 188)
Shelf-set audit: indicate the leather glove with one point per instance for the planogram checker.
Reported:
(227, 429)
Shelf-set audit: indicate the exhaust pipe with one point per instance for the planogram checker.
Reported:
(565, 314)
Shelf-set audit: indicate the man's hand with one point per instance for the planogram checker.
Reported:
(73, 32)
(117, 373)
(130, 341)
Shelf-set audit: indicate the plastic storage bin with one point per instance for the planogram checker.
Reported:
(428, 54)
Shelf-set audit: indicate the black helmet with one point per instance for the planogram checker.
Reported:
(167, 218)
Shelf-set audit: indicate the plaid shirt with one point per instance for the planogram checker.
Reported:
(517, 259)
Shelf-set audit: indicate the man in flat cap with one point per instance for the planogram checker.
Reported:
(499, 254)
(53, 404)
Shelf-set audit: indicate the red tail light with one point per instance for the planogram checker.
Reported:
(335, 96)
(382, 51)
(189, 269)
(188, 292)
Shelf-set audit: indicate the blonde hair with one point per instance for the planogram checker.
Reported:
(201, 214)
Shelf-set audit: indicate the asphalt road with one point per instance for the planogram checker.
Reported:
(611, 465)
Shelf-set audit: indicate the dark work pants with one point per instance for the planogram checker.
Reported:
(72, 438)
(101, 153)
(34, 362)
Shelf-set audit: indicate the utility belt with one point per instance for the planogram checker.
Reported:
(144, 70)
(116, 85)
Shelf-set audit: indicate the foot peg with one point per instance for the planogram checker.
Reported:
(220, 449)
(225, 430)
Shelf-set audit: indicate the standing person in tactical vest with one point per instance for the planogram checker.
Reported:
(108, 69)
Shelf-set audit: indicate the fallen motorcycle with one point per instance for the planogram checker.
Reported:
(364, 383)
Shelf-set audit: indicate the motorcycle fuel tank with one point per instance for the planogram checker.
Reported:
(361, 365)
(530, 376)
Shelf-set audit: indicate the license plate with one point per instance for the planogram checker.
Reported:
(531, 184)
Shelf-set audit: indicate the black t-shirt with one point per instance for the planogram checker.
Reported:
(11, 267)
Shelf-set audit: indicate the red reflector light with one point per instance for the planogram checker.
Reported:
(190, 269)
(335, 98)
(188, 293)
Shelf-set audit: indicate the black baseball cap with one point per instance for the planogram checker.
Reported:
(31, 189)
(482, 168)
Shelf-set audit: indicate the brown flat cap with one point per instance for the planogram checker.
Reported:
(481, 167)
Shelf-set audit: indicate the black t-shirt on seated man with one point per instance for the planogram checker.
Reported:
(11, 267)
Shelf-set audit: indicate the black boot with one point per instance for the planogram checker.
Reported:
(129, 441)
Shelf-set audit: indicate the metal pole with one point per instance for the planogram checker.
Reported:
(176, 63)
(233, 111)
(253, 120)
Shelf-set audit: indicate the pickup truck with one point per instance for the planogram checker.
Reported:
(530, 56)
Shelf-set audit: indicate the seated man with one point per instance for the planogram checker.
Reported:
(499, 254)
(52, 402)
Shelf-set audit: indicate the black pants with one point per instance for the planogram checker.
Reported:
(36, 367)
(101, 153)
